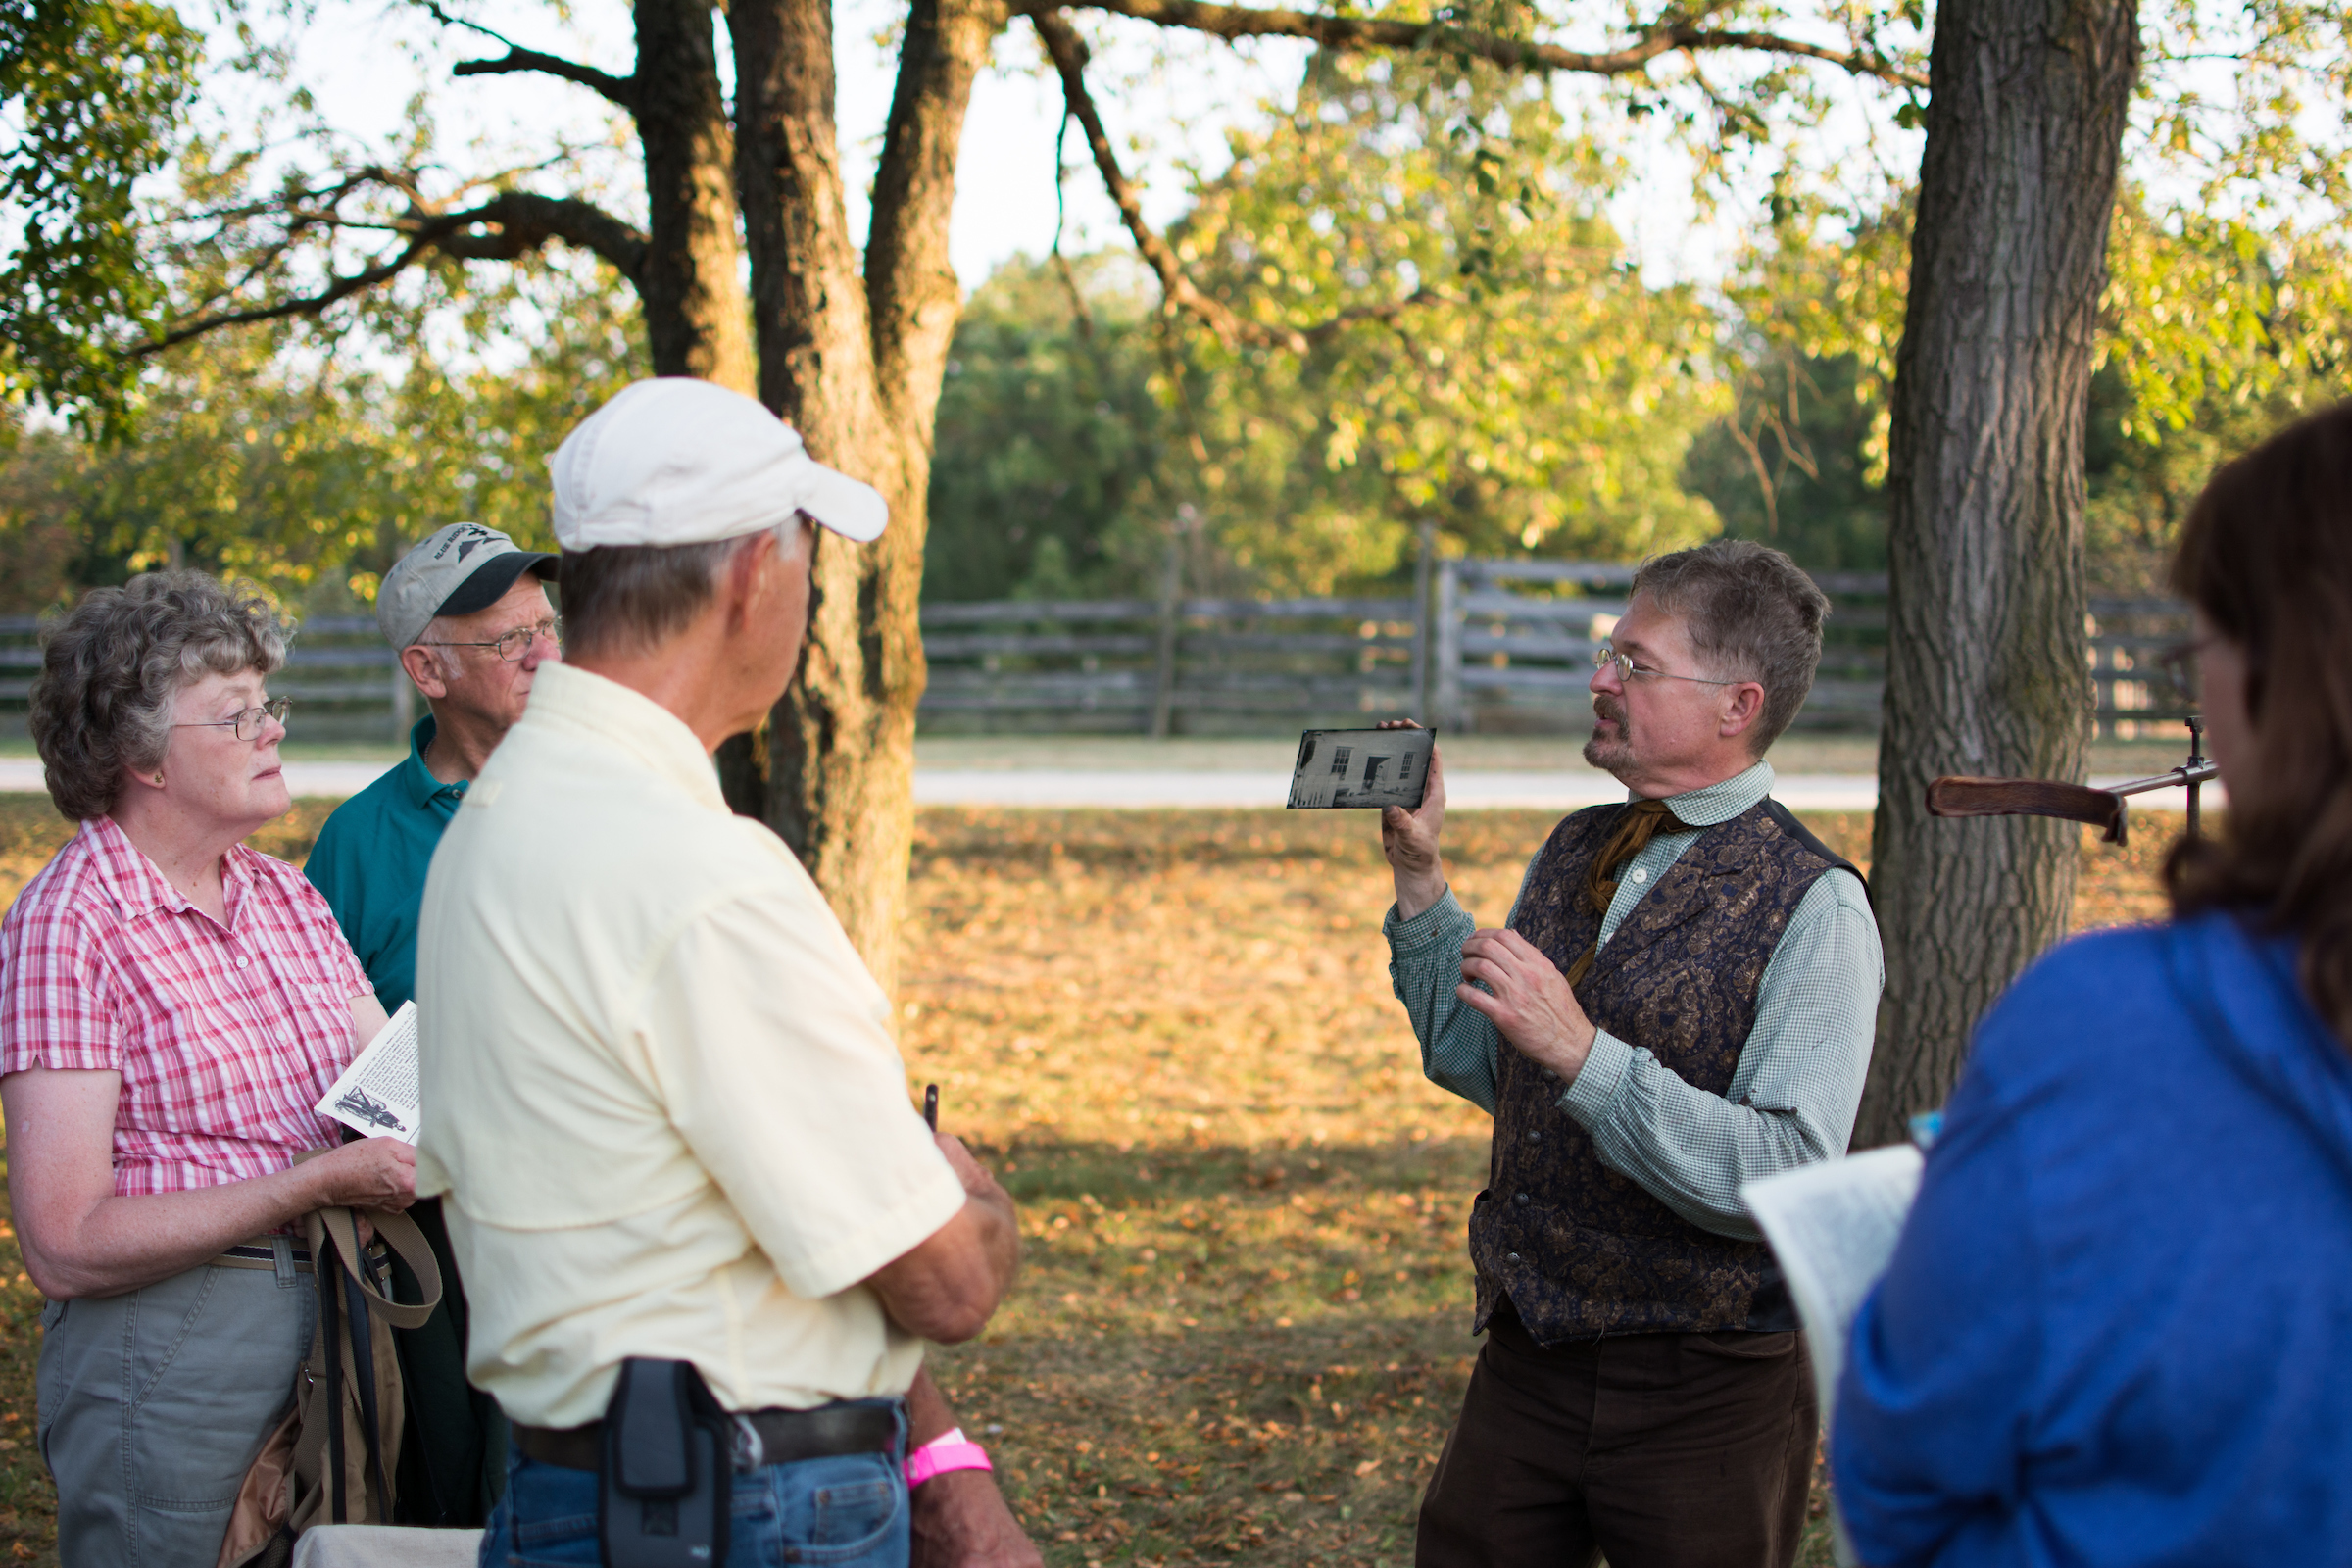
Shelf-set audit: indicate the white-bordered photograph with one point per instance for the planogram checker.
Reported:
(1361, 768)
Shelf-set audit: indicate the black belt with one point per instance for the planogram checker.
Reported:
(785, 1435)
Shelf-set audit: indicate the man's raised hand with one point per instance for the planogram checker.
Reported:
(1528, 1000)
(1409, 839)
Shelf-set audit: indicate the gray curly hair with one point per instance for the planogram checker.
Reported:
(112, 664)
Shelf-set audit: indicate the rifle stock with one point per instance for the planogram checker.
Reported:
(1963, 795)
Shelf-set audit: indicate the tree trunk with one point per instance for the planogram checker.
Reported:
(695, 316)
(1987, 659)
(861, 381)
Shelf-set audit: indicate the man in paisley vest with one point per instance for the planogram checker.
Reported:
(1682, 1000)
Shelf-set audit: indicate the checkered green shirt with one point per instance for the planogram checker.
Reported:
(1799, 1080)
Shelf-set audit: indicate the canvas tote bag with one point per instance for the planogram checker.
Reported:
(331, 1459)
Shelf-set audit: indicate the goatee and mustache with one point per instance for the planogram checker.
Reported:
(1616, 751)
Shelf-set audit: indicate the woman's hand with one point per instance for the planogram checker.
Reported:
(79, 1238)
(370, 1173)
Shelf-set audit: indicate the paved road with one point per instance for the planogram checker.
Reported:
(1077, 787)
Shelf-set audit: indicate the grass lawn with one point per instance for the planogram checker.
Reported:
(1241, 1327)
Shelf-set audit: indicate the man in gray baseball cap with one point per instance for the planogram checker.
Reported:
(468, 614)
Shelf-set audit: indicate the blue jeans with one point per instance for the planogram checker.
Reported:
(846, 1512)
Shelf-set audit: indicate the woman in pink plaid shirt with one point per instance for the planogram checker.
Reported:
(172, 1004)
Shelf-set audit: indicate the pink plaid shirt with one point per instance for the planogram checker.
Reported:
(225, 1034)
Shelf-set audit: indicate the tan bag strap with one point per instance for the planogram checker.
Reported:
(400, 1235)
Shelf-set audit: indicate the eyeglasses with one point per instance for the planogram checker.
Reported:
(513, 646)
(1604, 656)
(247, 725)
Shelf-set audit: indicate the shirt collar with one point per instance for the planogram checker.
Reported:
(567, 697)
(138, 887)
(1721, 801)
(417, 779)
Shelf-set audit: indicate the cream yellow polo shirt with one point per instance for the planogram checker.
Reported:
(660, 1093)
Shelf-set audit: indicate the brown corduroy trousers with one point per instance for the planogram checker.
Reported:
(1657, 1451)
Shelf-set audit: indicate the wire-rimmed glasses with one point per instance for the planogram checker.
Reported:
(1607, 655)
(247, 725)
(513, 646)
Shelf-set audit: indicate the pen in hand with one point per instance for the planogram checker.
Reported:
(931, 1106)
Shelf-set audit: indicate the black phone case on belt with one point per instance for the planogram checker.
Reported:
(667, 1480)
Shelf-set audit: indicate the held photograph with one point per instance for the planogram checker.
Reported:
(1361, 768)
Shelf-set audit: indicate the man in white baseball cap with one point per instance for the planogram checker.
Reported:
(664, 1104)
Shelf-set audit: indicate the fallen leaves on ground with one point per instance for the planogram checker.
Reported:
(1241, 1329)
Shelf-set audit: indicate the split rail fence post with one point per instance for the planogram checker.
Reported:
(1171, 599)
(1421, 566)
(1452, 713)
(404, 705)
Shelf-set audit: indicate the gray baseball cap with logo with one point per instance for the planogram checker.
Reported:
(462, 568)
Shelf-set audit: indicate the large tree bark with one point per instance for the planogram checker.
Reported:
(691, 281)
(854, 364)
(1986, 666)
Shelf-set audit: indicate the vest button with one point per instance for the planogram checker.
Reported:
(1510, 1258)
(1520, 1199)
(1534, 1137)
(1549, 1076)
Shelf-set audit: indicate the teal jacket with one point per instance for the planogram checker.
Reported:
(371, 860)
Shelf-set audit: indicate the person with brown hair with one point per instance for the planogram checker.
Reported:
(2115, 1329)
(1682, 1000)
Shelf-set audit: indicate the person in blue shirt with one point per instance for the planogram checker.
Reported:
(2118, 1327)
(468, 613)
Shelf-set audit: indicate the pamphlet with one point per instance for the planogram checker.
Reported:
(1833, 1226)
(1343, 768)
(377, 1093)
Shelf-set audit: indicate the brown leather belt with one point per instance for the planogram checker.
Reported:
(785, 1437)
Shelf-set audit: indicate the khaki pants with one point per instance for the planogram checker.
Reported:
(153, 1405)
(1659, 1450)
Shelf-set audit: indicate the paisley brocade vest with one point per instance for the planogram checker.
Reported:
(1580, 1249)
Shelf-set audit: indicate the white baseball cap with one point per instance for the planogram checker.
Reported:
(682, 461)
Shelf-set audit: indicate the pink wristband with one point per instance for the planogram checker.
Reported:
(949, 1450)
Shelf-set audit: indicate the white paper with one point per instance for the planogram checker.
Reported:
(1833, 1226)
(378, 1093)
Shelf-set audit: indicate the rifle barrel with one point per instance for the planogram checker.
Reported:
(2202, 773)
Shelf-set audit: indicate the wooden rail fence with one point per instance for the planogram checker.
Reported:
(1483, 645)
(1480, 645)
(345, 682)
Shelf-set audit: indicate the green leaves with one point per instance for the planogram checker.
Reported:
(1534, 395)
(261, 456)
(93, 90)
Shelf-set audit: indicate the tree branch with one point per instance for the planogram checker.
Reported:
(340, 289)
(1381, 32)
(522, 223)
(616, 89)
(620, 90)
(1069, 55)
